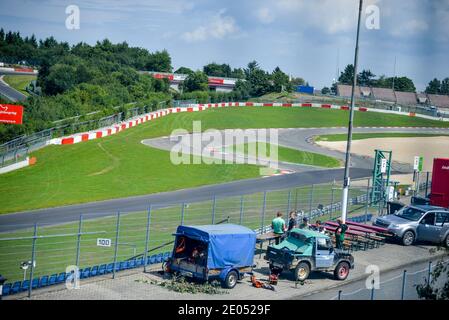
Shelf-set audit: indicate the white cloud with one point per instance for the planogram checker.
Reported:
(218, 27)
(265, 15)
(410, 28)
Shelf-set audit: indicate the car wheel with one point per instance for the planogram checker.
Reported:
(302, 271)
(341, 272)
(408, 238)
(446, 242)
(231, 280)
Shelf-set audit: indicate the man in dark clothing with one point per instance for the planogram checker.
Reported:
(340, 234)
(292, 223)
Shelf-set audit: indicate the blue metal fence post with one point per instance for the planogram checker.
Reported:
(241, 209)
(147, 239)
(404, 279)
(429, 273)
(78, 244)
(213, 209)
(367, 201)
(263, 212)
(33, 258)
(311, 201)
(117, 229)
(182, 213)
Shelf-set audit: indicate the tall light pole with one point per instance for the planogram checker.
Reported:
(346, 183)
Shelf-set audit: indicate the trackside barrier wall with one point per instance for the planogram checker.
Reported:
(103, 132)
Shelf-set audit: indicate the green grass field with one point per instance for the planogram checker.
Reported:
(121, 166)
(19, 82)
(54, 254)
(288, 155)
(361, 136)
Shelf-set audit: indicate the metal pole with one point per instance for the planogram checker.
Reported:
(311, 201)
(263, 212)
(241, 209)
(288, 201)
(296, 199)
(372, 291)
(182, 213)
(147, 239)
(117, 229)
(429, 273)
(346, 183)
(332, 199)
(367, 202)
(404, 279)
(339, 294)
(427, 183)
(33, 258)
(78, 245)
(213, 209)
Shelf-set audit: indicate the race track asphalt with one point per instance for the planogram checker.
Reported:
(295, 138)
(10, 93)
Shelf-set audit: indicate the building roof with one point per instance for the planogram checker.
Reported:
(406, 97)
(384, 94)
(440, 101)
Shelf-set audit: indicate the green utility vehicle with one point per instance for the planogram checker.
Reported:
(304, 251)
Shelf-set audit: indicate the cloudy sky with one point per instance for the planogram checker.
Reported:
(304, 38)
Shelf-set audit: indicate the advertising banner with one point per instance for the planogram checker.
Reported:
(11, 114)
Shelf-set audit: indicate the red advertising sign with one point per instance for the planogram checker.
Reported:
(439, 195)
(11, 114)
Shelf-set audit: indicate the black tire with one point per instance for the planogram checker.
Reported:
(302, 271)
(446, 241)
(408, 238)
(231, 280)
(275, 270)
(341, 271)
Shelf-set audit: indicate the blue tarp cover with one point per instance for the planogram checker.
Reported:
(229, 244)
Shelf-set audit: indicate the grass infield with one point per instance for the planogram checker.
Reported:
(19, 82)
(121, 166)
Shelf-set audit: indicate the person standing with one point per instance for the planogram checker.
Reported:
(340, 234)
(305, 223)
(278, 226)
(292, 223)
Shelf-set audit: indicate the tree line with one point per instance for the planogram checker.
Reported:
(81, 79)
(368, 79)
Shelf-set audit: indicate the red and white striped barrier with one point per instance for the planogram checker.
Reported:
(130, 123)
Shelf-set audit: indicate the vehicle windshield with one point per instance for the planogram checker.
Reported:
(410, 213)
(299, 240)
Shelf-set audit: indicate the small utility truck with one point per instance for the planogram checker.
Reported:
(304, 251)
(223, 252)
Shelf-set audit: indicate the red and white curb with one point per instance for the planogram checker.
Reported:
(116, 128)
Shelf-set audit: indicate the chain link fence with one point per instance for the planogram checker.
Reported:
(98, 240)
(402, 286)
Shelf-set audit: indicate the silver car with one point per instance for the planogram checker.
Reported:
(418, 223)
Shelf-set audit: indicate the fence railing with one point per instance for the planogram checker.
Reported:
(23, 145)
(127, 234)
(96, 240)
(401, 286)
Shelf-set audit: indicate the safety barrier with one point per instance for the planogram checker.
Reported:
(107, 131)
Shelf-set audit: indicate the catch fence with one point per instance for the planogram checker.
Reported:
(39, 255)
